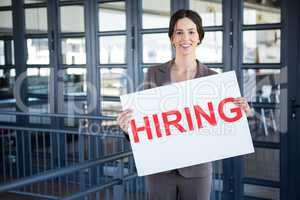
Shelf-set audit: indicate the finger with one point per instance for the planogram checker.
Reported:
(127, 110)
(239, 101)
(124, 127)
(125, 120)
(124, 114)
(243, 107)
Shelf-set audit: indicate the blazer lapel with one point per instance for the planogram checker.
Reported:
(201, 70)
(164, 73)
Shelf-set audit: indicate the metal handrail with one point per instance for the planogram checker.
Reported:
(21, 128)
(63, 171)
(60, 131)
(100, 187)
(77, 116)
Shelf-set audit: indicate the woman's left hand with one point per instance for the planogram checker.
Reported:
(243, 104)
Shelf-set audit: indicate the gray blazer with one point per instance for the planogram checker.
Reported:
(161, 75)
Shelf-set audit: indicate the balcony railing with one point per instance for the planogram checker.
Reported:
(58, 162)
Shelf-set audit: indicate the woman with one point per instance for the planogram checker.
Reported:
(189, 183)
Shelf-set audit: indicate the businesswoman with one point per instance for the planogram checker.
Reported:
(189, 183)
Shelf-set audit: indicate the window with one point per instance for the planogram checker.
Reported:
(36, 20)
(156, 14)
(112, 11)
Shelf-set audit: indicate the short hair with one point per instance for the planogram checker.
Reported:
(192, 15)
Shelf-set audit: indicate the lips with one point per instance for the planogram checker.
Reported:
(185, 45)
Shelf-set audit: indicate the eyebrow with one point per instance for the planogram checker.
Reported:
(182, 29)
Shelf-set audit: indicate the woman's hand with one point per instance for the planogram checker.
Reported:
(123, 119)
(243, 104)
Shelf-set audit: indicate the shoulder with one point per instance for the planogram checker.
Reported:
(157, 75)
(159, 68)
(206, 71)
(211, 72)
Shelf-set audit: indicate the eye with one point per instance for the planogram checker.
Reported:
(178, 32)
(191, 32)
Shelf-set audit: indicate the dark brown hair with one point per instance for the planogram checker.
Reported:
(192, 15)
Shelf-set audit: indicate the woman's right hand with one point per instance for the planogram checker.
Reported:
(123, 119)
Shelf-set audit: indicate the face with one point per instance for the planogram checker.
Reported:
(185, 37)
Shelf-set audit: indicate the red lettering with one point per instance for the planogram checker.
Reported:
(157, 126)
(174, 122)
(189, 118)
(236, 110)
(174, 117)
(135, 129)
(210, 118)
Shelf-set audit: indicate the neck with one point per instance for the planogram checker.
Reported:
(184, 63)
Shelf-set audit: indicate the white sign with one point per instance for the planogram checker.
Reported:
(187, 123)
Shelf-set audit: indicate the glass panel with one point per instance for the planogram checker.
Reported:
(5, 23)
(38, 51)
(69, 15)
(38, 80)
(210, 12)
(261, 12)
(261, 46)
(112, 49)
(264, 125)
(263, 85)
(217, 182)
(112, 12)
(111, 108)
(113, 82)
(263, 164)
(38, 105)
(262, 192)
(156, 48)
(2, 57)
(7, 101)
(34, 1)
(73, 107)
(156, 13)
(6, 84)
(5, 3)
(73, 51)
(12, 52)
(210, 50)
(36, 20)
(75, 82)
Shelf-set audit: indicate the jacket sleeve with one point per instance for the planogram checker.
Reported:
(149, 81)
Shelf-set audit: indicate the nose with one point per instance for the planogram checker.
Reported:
(185, 36)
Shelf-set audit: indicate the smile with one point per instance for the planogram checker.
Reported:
(185, 45)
